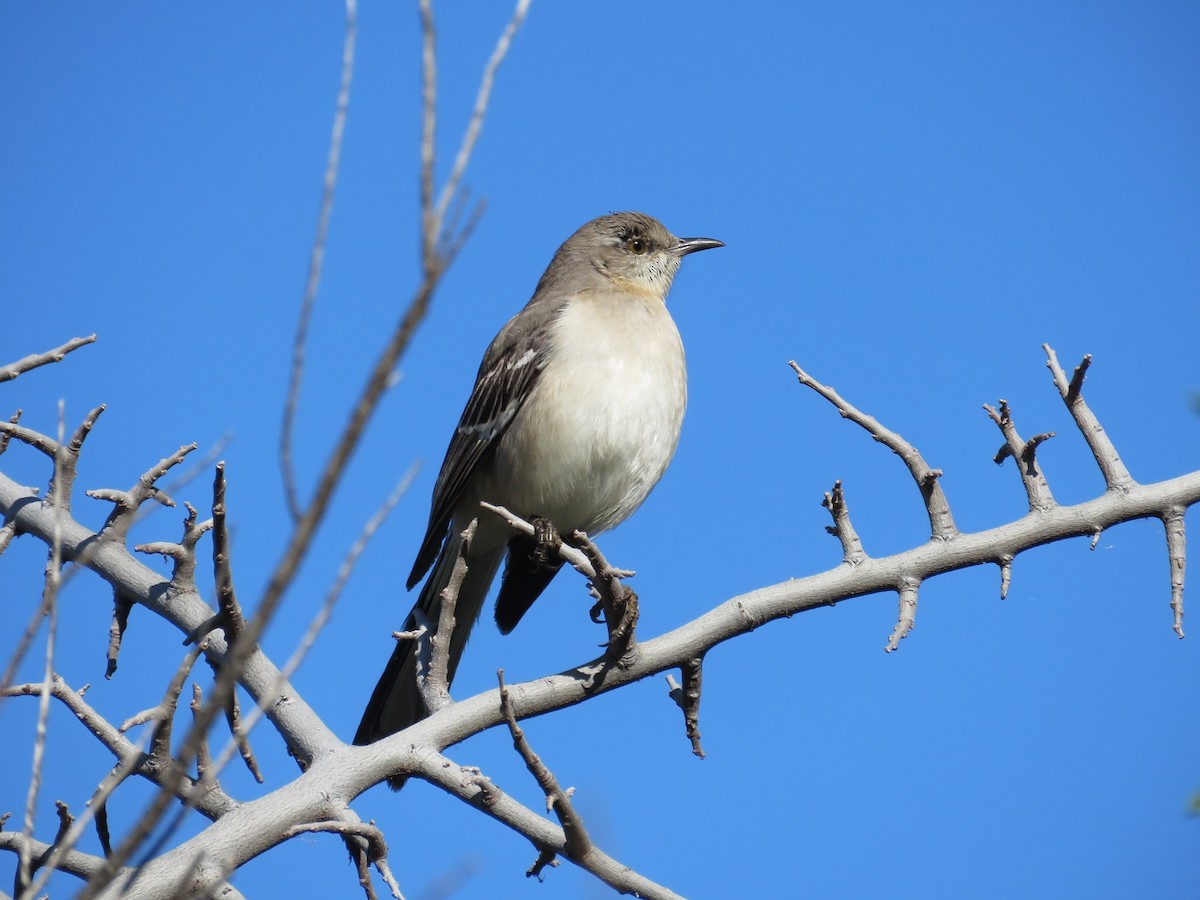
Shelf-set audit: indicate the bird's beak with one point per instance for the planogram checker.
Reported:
(691, 245)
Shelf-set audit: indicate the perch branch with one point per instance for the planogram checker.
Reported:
(575, 557)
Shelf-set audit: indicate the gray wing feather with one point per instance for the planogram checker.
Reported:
(506, 378)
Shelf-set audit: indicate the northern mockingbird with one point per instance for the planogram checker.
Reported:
(574, 417)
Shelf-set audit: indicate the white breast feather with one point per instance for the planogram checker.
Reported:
(604, 418)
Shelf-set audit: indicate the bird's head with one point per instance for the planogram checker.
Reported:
(629, 250)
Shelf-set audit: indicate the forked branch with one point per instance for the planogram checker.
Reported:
(941, 522)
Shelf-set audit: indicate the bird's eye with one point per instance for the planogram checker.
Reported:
(636, 245)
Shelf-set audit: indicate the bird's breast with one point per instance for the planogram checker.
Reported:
(603, 420)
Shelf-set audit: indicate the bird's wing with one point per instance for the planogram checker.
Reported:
(506, 378)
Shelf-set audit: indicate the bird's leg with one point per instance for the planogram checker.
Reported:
(546, 542)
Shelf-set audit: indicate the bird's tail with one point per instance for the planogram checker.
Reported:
(396, 701)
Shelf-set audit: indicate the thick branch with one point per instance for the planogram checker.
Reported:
(81, 865)
(347, 771)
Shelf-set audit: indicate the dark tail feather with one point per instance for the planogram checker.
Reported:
(396, 701)
(525, 577)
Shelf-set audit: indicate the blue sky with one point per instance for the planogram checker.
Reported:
(914, 198)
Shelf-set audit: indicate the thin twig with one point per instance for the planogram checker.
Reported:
(450, 188)
(122, 607)
(842, 529)
(4, 435)
(687, 697)
(203, 755)
(377, 849)
(1177, 554)
(128, 503)
(322, 618)
(1006, 562)
(578, 843)
(380, 379)
(575, 557)
(231, 616)
(8, 531)
(315, 261)
(430, 226)
(928, 480)
(50, 605)
(435, 644)
(1037, 490)
(12, 370)
(212, 804)
(907, 617)
(1116, 476)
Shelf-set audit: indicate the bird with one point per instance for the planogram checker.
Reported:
(574, 417)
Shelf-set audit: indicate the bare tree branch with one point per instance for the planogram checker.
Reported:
(211, 803)
(1022, 453)
(907, 617)
(232, 620)
(315, 261)
(81, 865)
(377, 850)
(323, 615)
(50, 586)
(12, 370)
(852, 548)
(416, 751)
(941, 522)
(382, 373)
(450, 189)
(574, 557)
(1177, 554)
(435, 639)
(1116, 476)
(128, 502)
(577, 842)
(687, 697)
